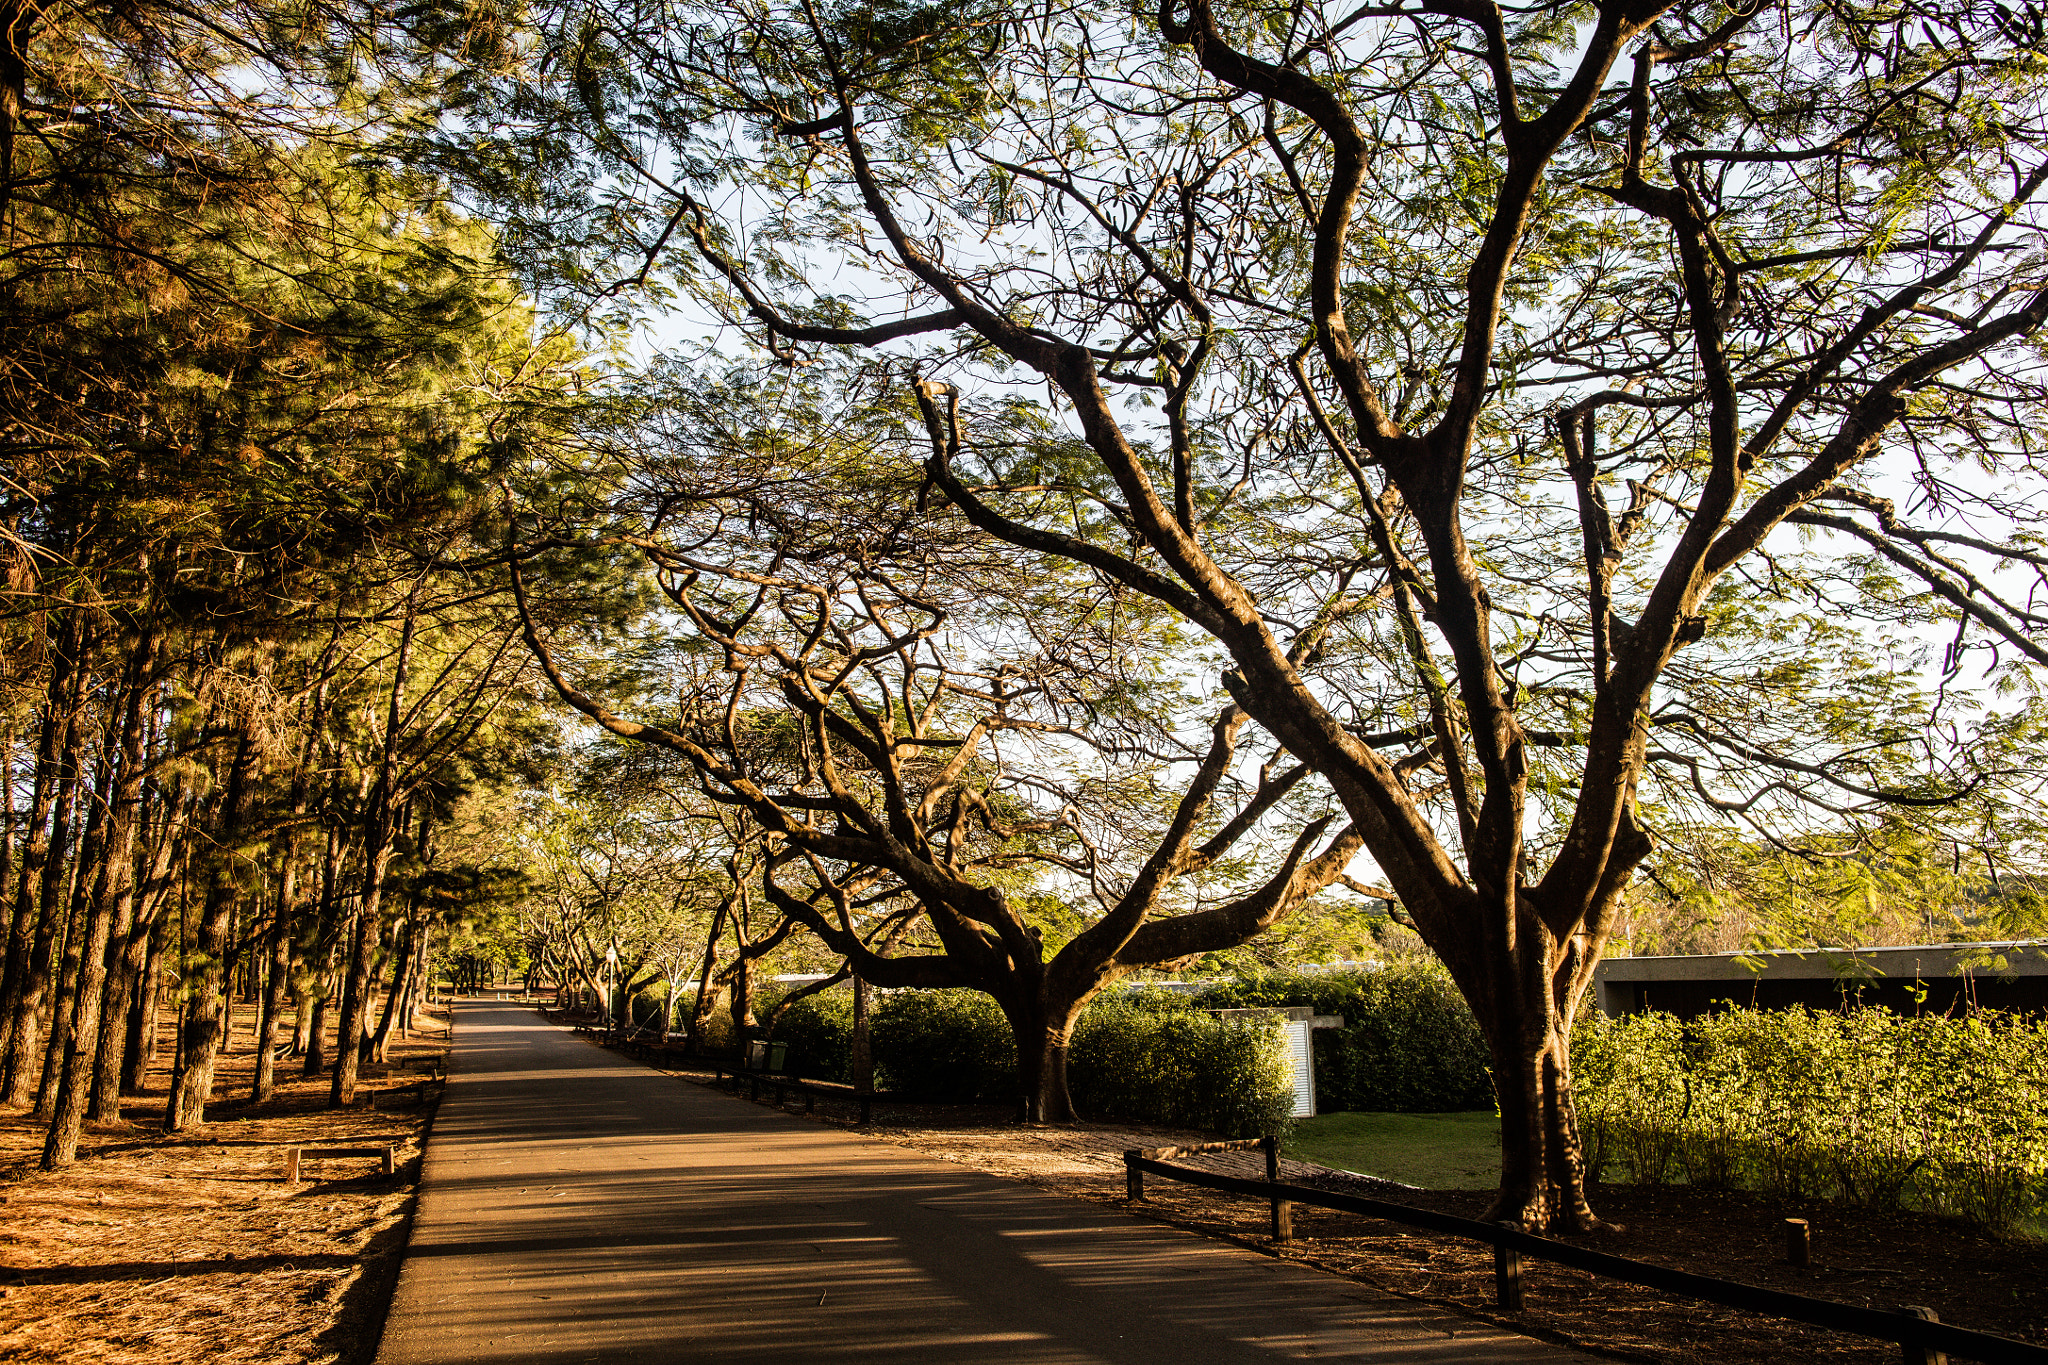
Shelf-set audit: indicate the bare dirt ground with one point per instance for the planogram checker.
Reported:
(164, 1249)
(1967, 1277)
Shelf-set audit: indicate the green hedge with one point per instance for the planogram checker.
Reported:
(1408, 1043)
(1877, 1109)
(1176, 1065)
(1150, 1058)
(819, 1031)
(943, 1045)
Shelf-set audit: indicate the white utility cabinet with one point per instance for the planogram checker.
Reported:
(1297, 1027)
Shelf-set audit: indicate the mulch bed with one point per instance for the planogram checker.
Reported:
(1880, 1261)
(156, 1248)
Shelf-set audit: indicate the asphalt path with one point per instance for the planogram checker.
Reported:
(577, 1208)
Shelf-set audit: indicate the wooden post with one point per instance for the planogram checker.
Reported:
(1134, 1179)
(1283, 1212)
(1914, 1352)
(860, 1064)
(390, 1161)
(291, 1165)
(1507, 1275)
(866, 1102)
(1798, 1241)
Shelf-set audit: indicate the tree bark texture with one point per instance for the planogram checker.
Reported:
(228, 867)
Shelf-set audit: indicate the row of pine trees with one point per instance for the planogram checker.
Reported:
(256, 395)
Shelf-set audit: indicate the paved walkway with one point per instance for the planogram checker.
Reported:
(577, 1207)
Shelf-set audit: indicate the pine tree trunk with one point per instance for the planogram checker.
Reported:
(380, 1047)
(380, 827)
(113, 899)
(27, 917)
(8, 965)
(357, 985)
(42, 871)
(316, 1034)
(145, 1014)
(74, 1068)
(88, 871)
(324, 979)
(279, 956)
(206, 1013)
(136, 907)
(302, 1024)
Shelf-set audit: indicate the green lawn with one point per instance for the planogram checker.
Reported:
(1434, 1151)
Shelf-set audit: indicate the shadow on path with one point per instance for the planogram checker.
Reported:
(579, 1208)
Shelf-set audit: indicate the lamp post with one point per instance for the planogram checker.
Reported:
(611, 976)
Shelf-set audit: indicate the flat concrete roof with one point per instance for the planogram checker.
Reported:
(2022, 957)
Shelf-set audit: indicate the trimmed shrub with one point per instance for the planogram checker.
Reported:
(952, 1045)
(1149, 1057)
(1132, 1059)
(1408, 1043)
(1861, 1105)
(819, 1031)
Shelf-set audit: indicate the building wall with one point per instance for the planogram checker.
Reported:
(1942, 995)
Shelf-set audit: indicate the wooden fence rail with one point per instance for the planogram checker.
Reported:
(780, 1082)
(1922, 1338)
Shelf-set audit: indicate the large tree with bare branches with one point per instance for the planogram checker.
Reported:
(1552, 377)
(968, 766)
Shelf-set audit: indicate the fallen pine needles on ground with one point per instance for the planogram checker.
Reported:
(170, 1248)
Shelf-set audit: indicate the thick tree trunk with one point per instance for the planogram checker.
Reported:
(42, 874)
(356, 983)
(1043, 1029)
(128, 953)
(1542, 1163)
(860, 1065)
(302, 1024)
(316, 1037)
(144, 1014)
(279, 956)
(112, 901)
(740, 1003)
(380, 830)
(394, 1000)
(706, 1003)
(206, 996)
(88, 873)
(1525, 1011)
(8, 965)
(324, 979)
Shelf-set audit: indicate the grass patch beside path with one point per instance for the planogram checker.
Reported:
(1434, 1151)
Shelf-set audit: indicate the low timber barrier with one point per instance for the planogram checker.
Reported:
(1922, 1337)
